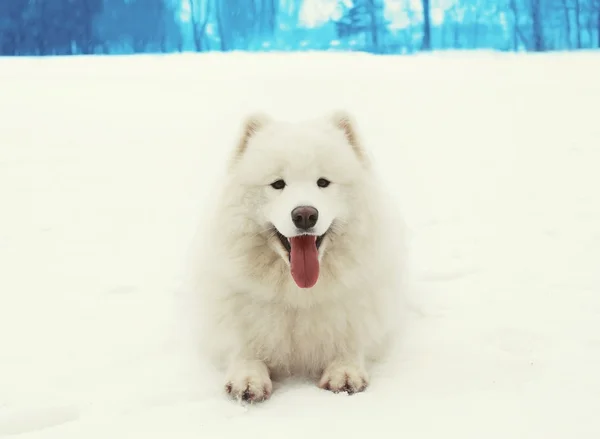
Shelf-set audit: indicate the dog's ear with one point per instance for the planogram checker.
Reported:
(253, 123)
(343, 121)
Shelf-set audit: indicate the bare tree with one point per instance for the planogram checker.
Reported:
(565, 6)
(598, 21)
(536, 24)
(408, 33)
(372, 10)
(590, 18)
(577, 5)
(364, 18)
(267, 16)
(199, 21)
(454, 17)
(426, 44)
(517, 31)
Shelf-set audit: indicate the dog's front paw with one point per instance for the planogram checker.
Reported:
(344, 377)
(249, 382)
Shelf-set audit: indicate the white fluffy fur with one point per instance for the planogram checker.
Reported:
(260, 324)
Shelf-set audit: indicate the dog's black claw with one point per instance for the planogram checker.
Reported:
(247, 395)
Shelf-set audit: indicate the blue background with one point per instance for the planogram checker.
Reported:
(68, 27)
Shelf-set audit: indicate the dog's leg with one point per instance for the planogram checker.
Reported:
(345, 375)
(249, 380)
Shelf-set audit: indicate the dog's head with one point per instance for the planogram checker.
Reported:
(301, 186)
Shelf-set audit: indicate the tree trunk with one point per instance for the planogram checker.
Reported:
(536, 18)
(222, 33)
(272, 15)
(578, 23)
(513, 7)
(199, 29)
(567, 23)
(374, 27)
(598, 26)
(426, 44)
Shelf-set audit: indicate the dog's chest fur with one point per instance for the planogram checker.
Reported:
(301, 340)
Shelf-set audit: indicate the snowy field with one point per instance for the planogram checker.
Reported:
(105, 168)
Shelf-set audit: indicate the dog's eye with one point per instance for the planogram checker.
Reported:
(322, 182)
(278, 184)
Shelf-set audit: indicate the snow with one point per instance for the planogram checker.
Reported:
(106, 166)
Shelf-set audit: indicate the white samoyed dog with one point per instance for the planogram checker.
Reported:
(301, 270)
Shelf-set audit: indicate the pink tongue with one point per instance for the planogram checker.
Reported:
(304, 259)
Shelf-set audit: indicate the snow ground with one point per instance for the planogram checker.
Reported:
(105, 168)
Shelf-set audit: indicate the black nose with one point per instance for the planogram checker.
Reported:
(305, 217)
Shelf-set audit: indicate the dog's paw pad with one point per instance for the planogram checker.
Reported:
(249, 388)
(344, 378)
